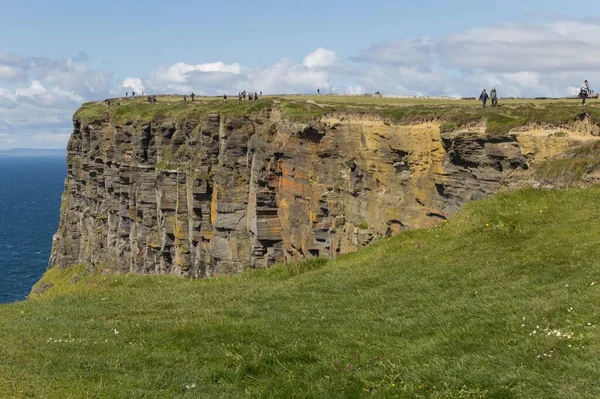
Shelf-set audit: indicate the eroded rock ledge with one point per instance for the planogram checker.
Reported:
(210, 194)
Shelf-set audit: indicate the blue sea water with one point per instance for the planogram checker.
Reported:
(30, 191)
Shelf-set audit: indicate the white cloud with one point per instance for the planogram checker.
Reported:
(549, 59)
(133, 84)
(284, 76)
(320, 58)
(39, 95)
(355, 90)
(36, 88)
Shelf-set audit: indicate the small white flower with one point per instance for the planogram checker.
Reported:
(116, 332)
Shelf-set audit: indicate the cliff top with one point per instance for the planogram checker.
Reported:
(511, 113)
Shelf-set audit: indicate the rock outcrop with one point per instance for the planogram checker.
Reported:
(210, 194)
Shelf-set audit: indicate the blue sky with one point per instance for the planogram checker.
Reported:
(56, 54)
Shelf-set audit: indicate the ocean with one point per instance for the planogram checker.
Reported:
(30, 191)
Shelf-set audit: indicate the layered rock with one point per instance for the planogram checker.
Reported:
(211, 194)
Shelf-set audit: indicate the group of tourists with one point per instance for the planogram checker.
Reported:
(584, 93)
(483, 97)
(251, 96)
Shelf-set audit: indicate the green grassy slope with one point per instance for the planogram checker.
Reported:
(500, 302)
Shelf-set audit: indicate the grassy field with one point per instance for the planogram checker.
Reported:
(500, 302)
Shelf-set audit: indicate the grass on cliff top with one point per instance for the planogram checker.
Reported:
(501, 302)
(455, 114)
(166, 107)
(569, 168)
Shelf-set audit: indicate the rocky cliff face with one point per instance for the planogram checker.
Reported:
(210, 195)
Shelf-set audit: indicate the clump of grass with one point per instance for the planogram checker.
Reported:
(571, 167)
(91, 111)
(302, 111)
(498, 124)
(447, 127)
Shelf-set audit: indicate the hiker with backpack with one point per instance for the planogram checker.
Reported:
(483, 97)
(494, 97)
(584, 92)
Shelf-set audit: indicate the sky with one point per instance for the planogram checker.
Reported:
(55, 55)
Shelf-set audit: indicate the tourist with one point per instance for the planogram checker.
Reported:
(318, 92)
(184, 99)
(133, 94)
(193, 96)
(584, 92)
(224, 98)
(483, 97)
(255, 96)
(494, 97)
(240, 98)
(126, 94)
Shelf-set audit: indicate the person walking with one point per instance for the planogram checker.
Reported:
(483, 97)
(584, 92)
(494, 97)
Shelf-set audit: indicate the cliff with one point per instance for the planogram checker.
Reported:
(209, 188)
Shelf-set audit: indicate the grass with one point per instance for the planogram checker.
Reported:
(453, 115)
(500, 302)
(571, 167)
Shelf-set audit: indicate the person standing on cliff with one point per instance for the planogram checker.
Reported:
(584, 92)
(494, 97)
(483, 97)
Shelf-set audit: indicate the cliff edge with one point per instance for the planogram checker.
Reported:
(209, 188)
